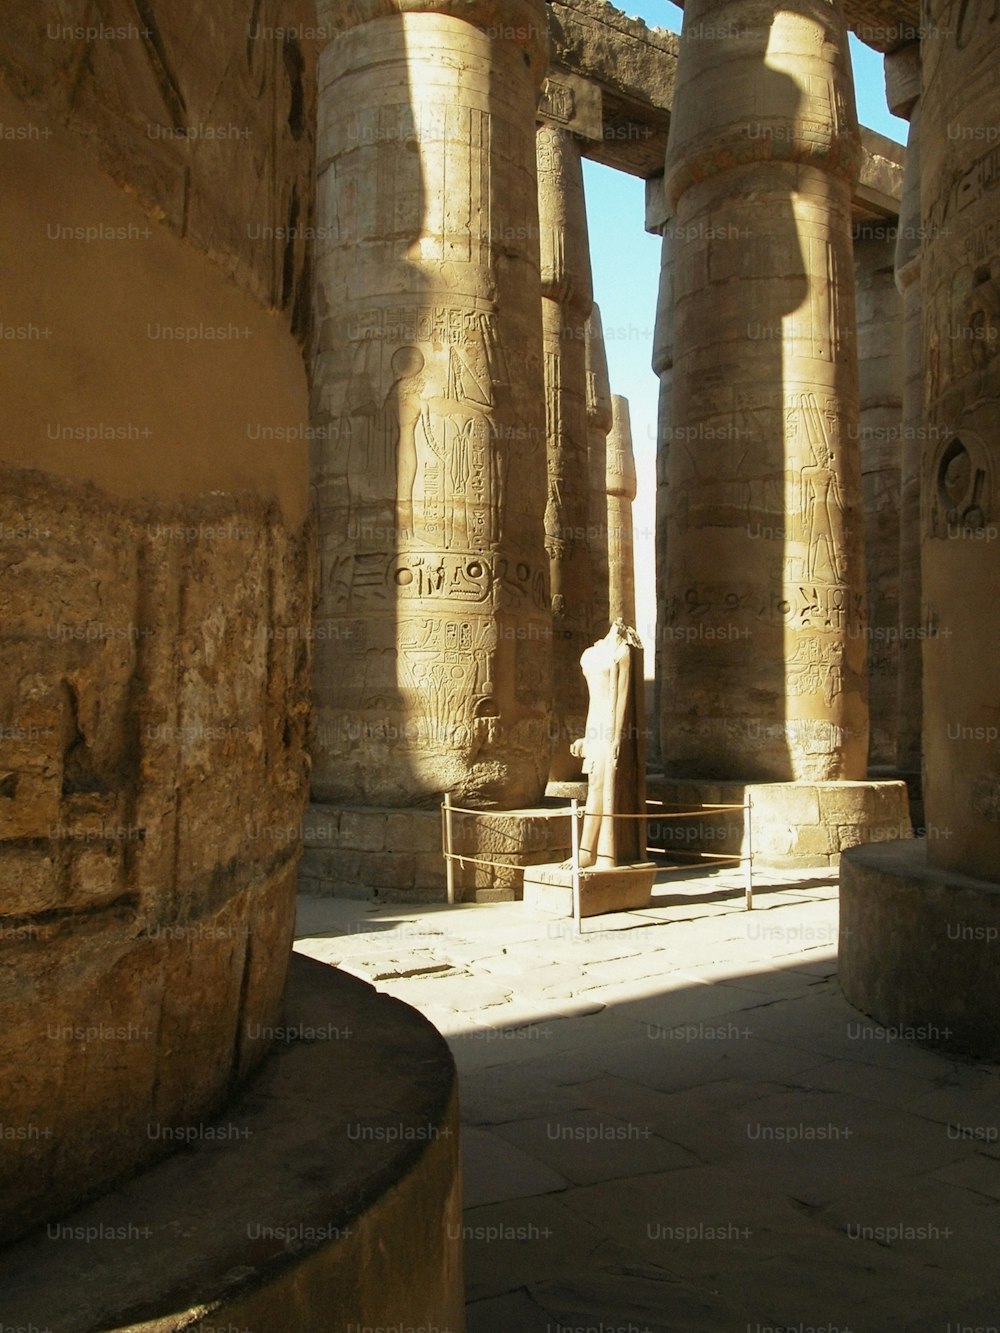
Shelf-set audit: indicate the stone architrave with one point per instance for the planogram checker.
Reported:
(903, 88)
(599, 418)
(567, 298)
(960, 277)
(433, 620)
(621, 484)
(764, 649)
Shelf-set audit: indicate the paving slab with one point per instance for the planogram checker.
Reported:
(636, 1300)
(587, 1145)
(501, 1314)
(494, 1171)
(693, 1019)
(526, 1241)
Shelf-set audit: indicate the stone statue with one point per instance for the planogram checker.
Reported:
(614, 875)
(608, 748)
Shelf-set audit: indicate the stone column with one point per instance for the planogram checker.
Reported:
(903, 93)
(432, 649)
(567, 298)
(663, 368)
(960, 277)
(765, 663)
(598, 425)
(621, 492)
(880, 382)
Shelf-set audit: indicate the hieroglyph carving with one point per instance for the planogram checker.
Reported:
(428, 470)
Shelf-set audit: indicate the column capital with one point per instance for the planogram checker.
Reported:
(902, 79)
(778, 89)
(523, 22)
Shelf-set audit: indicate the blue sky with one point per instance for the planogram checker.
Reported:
(626, 262)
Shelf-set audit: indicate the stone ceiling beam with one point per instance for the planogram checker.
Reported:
(611, 82)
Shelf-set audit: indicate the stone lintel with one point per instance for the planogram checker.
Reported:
(880, 185)
(573, 104)
(632, 69)
(633, 66)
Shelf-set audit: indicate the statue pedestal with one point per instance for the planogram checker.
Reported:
(549, 888)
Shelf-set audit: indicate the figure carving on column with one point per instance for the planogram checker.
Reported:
(821, 502)
(403, 406)
(608, 667)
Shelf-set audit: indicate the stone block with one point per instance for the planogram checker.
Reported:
(321, 826)
(315, 864)
(920, 947)
(362, 830)
(549, 888)
(389, 872)
(31, 881)
(96, 874)
(413, 831)
(812, 841)
(861, 802)
(29, 802)
(793, 804)
(429, 871)
(334, 868)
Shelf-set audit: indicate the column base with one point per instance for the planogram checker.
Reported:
(549, 888)
(299, 1208)
(393, 855)
(914, 791)
(796, 825)
(920, 949)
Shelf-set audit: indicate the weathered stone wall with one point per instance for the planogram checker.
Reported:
(155, 586)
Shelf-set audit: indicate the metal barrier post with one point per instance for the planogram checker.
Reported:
(448, 857)
(574, 833)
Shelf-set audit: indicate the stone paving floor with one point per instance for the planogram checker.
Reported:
(675, 1123)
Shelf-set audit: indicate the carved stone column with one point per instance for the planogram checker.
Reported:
(960, 277)
(599, 418)
(903, 91)
(663, 368)
(567, 298)
(621, 492)
(880, 383)
(919, 918)
(765, 661)
(433, 639)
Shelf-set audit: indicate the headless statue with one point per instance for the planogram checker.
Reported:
(610, 749)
